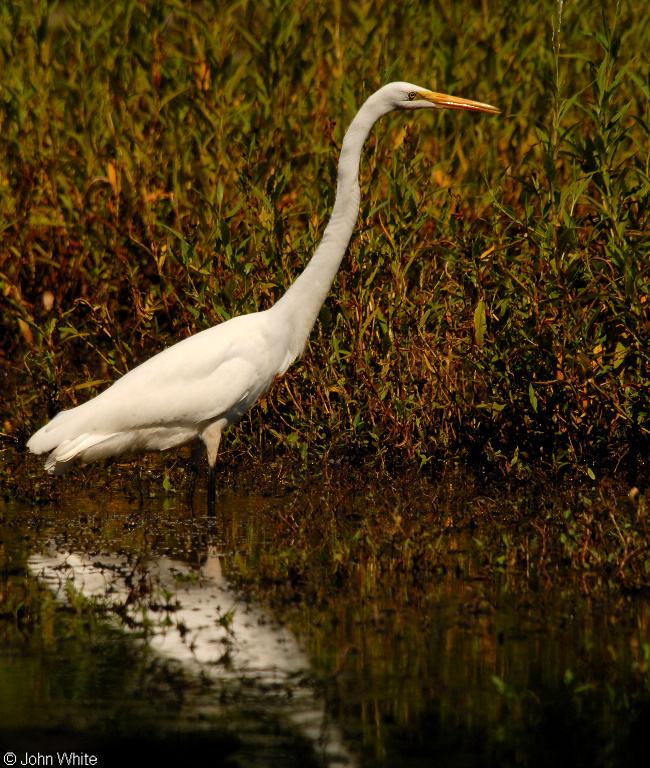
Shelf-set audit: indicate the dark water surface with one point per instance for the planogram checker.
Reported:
(141, 641)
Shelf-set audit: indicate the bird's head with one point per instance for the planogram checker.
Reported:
(409, 96)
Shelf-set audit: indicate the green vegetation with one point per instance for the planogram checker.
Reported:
(162, 169)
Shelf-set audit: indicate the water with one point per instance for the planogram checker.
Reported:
(145, 642)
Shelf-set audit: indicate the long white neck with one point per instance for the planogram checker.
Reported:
(300, 305)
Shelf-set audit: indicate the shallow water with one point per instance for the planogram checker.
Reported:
(474, 672)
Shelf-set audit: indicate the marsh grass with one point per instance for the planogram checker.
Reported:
(163, 168)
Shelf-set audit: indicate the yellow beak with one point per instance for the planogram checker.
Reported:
(455, 102)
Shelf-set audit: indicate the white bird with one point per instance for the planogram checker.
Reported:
(194, 390)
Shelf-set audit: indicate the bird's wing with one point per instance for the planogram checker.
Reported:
(208, 375)
(219, 372)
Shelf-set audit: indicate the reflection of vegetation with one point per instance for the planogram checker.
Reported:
(454, 625)
(164, 168)
(75, 684)
(72, 680)
(438, 622)
(418, 531)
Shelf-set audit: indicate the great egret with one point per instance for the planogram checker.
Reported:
(194, 390)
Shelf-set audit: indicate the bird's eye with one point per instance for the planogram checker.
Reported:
(412, 95)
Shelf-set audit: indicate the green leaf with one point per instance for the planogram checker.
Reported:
(480, 322)
(619, 355)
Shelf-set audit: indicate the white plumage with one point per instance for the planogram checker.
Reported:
(197, 388)
(170, 399)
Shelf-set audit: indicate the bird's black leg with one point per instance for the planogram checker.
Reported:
(212, 491)
(211, 437)
(195, 459)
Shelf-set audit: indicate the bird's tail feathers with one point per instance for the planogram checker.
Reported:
(86, 447)
(64, 428)
(66, 438)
